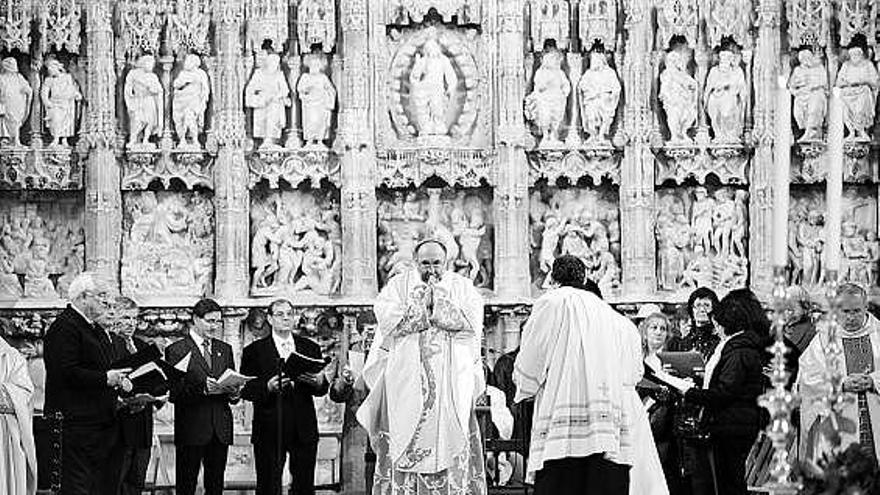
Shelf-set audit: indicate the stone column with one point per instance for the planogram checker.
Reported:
(230, 167)
(354, 140)
(103, 215)
(638, 246)
(511, 183)
(761, 176)
(575, 69)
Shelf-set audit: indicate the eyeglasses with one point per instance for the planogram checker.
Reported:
(212, 321)
(431, 263)
(282, 314)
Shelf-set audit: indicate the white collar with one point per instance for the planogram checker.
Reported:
(88, 320)
(198, 339)
(279, 340)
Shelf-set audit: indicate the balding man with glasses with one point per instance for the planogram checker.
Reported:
(299, 425)
(81, 385)
(202, 416)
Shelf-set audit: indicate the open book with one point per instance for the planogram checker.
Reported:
(298, 364)
(233, 379)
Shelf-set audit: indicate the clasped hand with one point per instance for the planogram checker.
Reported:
(274, 384)
(858, 382)
(118, 379)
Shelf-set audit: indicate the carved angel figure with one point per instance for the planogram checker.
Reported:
(15, 101)
(599, 90)
(59, 94)
(809, 85)
(191, 91)
(678, 94)
(268, 93)
(433, 82)
(725, 98)
(858, 82)
(143, 99)
(318, 97)
(545, 105)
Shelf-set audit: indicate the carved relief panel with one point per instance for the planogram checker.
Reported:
(168, 243)
(42, 245)
(435, 90)
(584, 222)
(702, 238)
(462, 219)
(296, 241)
(859, 250)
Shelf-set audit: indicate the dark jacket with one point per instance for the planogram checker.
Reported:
(701, 339)
(77, 356)
(299, 422)
(136, 429)
(731, 401)
(197, 415)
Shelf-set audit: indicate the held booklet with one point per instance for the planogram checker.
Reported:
(298, 364)
(233, 379)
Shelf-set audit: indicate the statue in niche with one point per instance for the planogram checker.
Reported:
(143, 98)
(433, 82)
(872, 261)
(550, 21)
(268, 93)
(15, 101)
(723, 219)
(811, 242)
(264, 251)
(673, 235)
(858, 82)
(725, 98)
(470, 238)
(191, 91)
(317, 257)
(36, 279)
(701, 218)
(599, 90)
(740, 224)
(60, 94)
(698, 272)
(809, 85)
(854, 253)
(678, 94)
(545, 105)
(10, 288)
(318, 97)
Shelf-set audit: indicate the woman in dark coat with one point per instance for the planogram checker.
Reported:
(734, 374)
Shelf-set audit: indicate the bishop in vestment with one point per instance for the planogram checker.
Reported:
(858, 419)
(18, 456)
(424, 373)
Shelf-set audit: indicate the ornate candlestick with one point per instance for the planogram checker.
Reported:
(779, 401)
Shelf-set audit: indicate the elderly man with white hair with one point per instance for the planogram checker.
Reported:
(81, 386)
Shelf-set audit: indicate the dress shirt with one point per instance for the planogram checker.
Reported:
(285, 346)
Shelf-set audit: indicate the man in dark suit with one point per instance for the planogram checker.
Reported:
(299, 425)
(81, 386)
(202, 417)
(131, 456)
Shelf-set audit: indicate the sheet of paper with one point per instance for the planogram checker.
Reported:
(183, 364)
(232, 378)
(356, 362)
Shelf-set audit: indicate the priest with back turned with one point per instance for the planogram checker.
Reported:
(424, 373)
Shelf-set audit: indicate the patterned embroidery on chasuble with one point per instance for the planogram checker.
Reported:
(427, 432)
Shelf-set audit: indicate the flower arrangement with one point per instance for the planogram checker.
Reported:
(852, 471)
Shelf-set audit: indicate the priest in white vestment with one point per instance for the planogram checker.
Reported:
(581, 360)
(858, 420)
(424, 373)
(18, 456)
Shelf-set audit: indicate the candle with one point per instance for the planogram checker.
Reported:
(782, 168)
(834, 182)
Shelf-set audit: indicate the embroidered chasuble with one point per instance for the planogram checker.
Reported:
(18, 457)
(859, 417)
(424, 374)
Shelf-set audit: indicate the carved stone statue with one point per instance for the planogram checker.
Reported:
(59, 94)
(36, 279)
(550, 21)
(678, 94)
(545, 105)
(698, 272)
(433, 83)
(872, 248)
(809, 85)
(318, 97)
(811, 241)
(599, 90)
(858, 82)
(723, 219)
(725, 97)
(701, 219)
(740, 224)
(143, 98)
(191, 91)
(15, 101)
(10, 288)
(268, 93)
(854, 252)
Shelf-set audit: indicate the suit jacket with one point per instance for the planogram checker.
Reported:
(197, 415)
(299, 423)
(136, 429)
(77, 356)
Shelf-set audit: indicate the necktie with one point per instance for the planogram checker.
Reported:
(206, 347)
(130, 344)
(286, 348)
